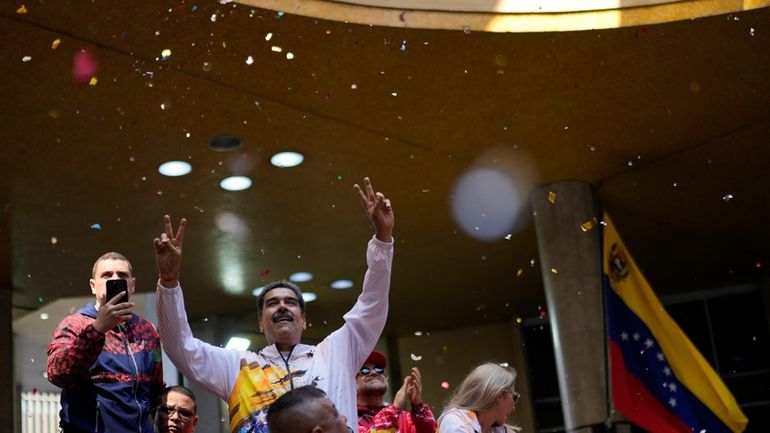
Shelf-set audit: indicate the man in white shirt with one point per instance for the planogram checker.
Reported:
(249, 382)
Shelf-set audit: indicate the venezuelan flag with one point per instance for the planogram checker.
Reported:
(659, 379)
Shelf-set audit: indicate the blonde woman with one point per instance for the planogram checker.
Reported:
(482, 402)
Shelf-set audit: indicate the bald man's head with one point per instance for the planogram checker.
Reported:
(305, 410)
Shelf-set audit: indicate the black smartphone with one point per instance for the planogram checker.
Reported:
(116, 286)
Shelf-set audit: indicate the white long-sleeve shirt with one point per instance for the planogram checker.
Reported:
(250, 381)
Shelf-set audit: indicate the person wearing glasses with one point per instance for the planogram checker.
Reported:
(375, 416)
(176, 411)
(249, 381)
(305, 410)
(482, 402)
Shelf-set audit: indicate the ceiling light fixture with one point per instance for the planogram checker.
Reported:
(341, 284)
(300, 277)
(287, 159)
(224, 143)
(175, 168)
(238, 343)
(235, 183)
(309, 297)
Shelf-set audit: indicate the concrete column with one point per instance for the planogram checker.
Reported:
(570, 263)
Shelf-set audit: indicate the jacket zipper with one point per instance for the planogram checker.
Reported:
(286, 363)
(96, 417)
(135, 386)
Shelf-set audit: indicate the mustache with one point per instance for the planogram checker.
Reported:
(282, 314)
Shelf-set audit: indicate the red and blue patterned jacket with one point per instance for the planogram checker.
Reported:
(391, 419)
(109, 381)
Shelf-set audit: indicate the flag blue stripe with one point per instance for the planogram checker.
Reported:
(644, 358)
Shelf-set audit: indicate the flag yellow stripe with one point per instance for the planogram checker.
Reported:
(687, 363)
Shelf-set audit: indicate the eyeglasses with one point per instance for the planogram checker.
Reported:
(167, 411)
(516, 396)
(364, 371)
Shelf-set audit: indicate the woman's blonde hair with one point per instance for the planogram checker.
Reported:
(481, 388)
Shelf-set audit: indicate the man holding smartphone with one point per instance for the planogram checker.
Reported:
(106, 359)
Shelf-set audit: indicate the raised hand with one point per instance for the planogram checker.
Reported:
(377, 209)
(168, 252)
(112, 312)
(400, 399)
(414, 387)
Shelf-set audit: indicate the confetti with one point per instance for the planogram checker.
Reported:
(554, 271)
(519, 272)
(213, 18)
(26, 59)
(552, 197)
(354, 86)
(445, 384)
(21, 10)
(249, 60)
(289, 56)
(751, 31)
(415, 357)
(84, 66)
(269, 36)
(265, 272)
(276, 49)
(508, 237)
(588, 225)
(207, 66)
(93, 81)
(55, 44)
(532, 262)
(40, 299)
(403, 45)
(418, 333)
(165, 54)
(54, 240)
(728, 197)
(96, 226)
(519, 320)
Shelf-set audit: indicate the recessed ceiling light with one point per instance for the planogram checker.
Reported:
(44, 316)
(300, 277)
(287, 159)
(224, 143)
(238, 343)
(309, 297)
(257, 291)
(174, 168)
(235, 183)
(341, 284)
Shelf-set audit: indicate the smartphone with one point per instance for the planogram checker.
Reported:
(116, 286)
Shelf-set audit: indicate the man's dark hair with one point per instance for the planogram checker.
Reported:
(290, 412)
(180, 389)
(276, 285)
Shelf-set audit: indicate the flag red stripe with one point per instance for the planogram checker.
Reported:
(634, 401)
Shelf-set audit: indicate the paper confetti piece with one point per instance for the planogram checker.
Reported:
(265, 272)
(519, 272)
(96, 226)
(552, 197)
(55, 44)
(415, 357)
(588, 225)
(21, 10)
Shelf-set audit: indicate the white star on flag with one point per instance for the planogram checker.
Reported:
(624, 336)
(648, 343)
(672, 402)
(660, 356)
(667, 371)
(637, 336)
(672, 387)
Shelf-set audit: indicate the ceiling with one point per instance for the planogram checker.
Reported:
(669, 122)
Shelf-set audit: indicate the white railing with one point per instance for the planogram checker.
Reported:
(39, 412)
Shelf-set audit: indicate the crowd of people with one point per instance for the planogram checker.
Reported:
(107, 359)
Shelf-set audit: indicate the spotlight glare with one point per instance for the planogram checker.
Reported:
(175, 168)
(341, 284)
(300, 277)
(287, 159)
(235, 183)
